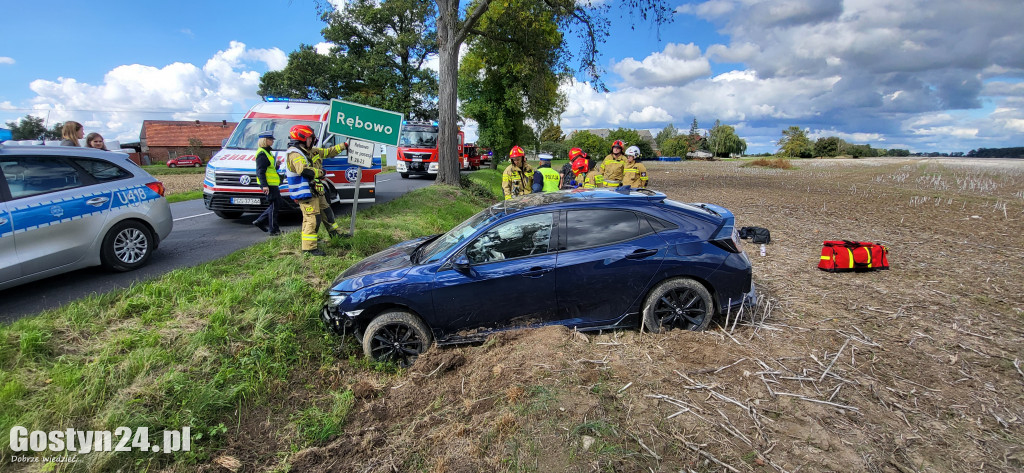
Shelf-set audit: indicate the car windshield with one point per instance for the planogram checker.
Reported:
(418, 136)
(246, 134)
(441, 245)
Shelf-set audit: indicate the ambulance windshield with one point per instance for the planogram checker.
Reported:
(246, 134)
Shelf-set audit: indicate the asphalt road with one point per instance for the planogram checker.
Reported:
(198, 236)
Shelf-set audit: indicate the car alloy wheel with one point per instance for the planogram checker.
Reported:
(678, 304)
(398, 337)
(127, 246)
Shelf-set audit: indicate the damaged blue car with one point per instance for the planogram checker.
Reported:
(586, 259)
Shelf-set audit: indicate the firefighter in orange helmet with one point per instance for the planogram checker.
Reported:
(574, 173)
(304, 182)
(518, 177)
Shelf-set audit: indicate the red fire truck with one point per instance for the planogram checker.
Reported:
(417, 149)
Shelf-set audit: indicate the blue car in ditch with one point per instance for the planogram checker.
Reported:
(585, 259)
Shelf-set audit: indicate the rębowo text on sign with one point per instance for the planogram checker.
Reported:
(365, 123)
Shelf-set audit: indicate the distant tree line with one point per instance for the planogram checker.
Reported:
(721, 141)
(1017, 153)
(795, 144)
(551, 140)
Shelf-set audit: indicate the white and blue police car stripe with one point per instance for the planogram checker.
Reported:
(43, 214)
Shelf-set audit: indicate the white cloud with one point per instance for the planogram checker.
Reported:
(132, 93)
(323, 48)
(676, 64)
(6, 60)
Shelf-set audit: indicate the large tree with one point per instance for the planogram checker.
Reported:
(668, 132)
(632, 138)
(723, 141)
(511, 72)
(595, 146)
(586, 18)
(377, 58)
(829, 147)
(794, 143)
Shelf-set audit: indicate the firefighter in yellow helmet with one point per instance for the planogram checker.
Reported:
(518, 177)
(613, 165)
(635, 173)
(304, 182)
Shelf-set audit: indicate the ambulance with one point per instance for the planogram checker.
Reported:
(230, 187)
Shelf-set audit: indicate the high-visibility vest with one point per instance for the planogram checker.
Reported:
(298, 186)
(273, 179)
(551, 178)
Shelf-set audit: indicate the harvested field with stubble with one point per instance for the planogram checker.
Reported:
(913, 369)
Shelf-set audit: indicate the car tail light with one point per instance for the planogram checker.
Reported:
(731, 244)
(157, 187)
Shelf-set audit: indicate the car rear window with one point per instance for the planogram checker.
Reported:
(102, 171)
(598, 227)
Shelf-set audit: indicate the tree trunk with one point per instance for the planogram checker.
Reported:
(448, 58)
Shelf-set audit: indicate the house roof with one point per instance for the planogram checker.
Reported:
(177, 133)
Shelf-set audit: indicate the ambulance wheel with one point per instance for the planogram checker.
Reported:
(127, 246)
(396, 336)
(678, 303)
(404, 175)
(228, 214)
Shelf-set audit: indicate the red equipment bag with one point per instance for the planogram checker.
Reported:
(846, 255)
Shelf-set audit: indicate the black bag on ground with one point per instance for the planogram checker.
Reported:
(756, 234)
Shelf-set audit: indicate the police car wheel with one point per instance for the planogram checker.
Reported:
(678, 304)
(396, 336)
(127, 246)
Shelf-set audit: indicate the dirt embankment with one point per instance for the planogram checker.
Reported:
(912, 369)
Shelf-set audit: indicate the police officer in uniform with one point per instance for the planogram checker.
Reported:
(304, 182)
(518, 177)
(546, 179)
(266, 174)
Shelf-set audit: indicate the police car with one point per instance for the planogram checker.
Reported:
(65, 208)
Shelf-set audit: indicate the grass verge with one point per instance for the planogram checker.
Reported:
(201, 346)
(777, 163)
(163, 170)
(183, 196)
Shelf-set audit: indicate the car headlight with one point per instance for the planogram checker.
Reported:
(336, 298)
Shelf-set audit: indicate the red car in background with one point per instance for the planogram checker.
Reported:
(187, 160)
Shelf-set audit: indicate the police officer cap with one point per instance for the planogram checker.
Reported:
(544, 157)
(267, 134)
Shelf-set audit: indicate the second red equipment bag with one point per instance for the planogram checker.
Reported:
(846, 255)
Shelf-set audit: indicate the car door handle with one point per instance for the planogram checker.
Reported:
(97, 201)
(641, 254)
(535, 271)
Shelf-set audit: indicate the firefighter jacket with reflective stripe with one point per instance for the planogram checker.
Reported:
(266, 168)
(318, 155)
(298, 185)
(612, 168)
(516, 181)
(635, 175)
(550, 179)
(594, 180)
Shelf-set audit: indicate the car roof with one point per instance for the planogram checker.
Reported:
(121, 159)
(577, 196)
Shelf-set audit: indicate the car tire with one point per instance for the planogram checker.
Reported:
(228, 214)
(172, 165)
(396, 336)
(127, 246)
(678, 303)
(404, 175)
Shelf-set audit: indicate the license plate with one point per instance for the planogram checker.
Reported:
(417, 160)
(245, 201)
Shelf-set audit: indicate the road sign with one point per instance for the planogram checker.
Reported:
(360, 152)
(366, 123)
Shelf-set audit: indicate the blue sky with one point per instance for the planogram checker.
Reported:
(926, 75)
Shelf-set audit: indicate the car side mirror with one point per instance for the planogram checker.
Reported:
(461, 264)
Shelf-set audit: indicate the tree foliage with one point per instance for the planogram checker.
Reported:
(378, 58)
(723, 141)
(588, 20)
(829, 147)
(552, 132)
(794, 143)
(511, 72)
(668, 132)
(595, 146)
(31, 127)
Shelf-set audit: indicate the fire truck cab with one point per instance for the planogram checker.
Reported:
(417, 149)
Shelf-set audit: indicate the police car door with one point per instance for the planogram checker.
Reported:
(9, 268)
(57, 211)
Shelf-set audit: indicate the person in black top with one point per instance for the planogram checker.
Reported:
(266, 173)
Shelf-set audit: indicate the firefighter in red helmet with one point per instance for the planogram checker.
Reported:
(304, 182)
(518, 177)
(613, 166)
